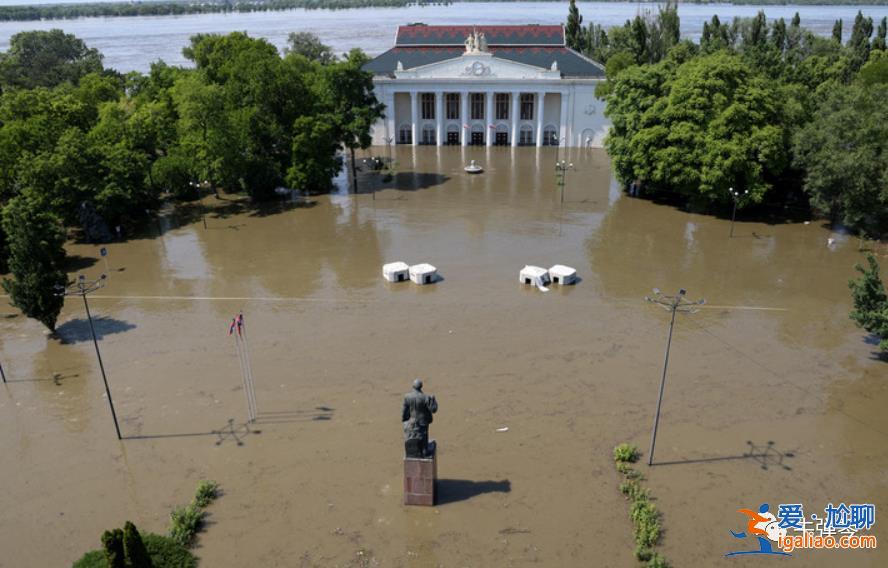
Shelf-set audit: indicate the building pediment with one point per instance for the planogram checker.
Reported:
(477, 66)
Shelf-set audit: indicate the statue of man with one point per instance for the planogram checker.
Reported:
(416, 414)
(470, 44)
(482, 42)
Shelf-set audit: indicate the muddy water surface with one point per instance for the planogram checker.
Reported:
(772, 358)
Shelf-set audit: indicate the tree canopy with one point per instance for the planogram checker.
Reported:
(46, 59)
(75, 137)
(781, 115)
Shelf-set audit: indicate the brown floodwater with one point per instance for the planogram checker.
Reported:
(771, 360)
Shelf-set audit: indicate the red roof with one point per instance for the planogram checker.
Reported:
(524, 36)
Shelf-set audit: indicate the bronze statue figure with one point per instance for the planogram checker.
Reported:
(417, 415)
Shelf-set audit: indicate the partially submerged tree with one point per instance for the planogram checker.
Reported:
(36, 259)
(844, 154)
(870, 301)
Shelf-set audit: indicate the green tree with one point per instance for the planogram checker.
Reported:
(308, 45)
(870, 301)
(315, 161)
(881, 32)
(837, 32)
(36, 259)
(46, 59)
(573, 29)
(697, 129)
(859, 43)
(134, 549)
(875, 72)
(349, 97)
(112, 542)
(844, 154)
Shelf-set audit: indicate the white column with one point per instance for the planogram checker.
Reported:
(439, 116)
(414, 116)
(391, 128)
(464, 117)
(563, 119)
(488, 118)
(516, 96)
(540, 110)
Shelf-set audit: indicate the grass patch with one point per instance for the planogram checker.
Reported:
(207, 491)
(626, 453)
(186, 522)
(643, 513)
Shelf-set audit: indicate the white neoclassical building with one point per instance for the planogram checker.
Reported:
(487, 85)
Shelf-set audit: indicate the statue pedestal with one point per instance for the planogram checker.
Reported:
(420, 480)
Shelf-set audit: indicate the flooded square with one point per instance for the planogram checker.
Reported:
(772, 392)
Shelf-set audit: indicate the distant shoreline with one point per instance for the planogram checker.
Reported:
(49, 11)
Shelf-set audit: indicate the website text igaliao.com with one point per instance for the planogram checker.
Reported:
(808, 540)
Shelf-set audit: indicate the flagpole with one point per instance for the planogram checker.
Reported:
(235, 328)
(249, 367)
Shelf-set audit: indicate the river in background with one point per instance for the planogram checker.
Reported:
(131, 44)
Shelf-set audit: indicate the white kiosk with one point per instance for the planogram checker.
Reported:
(423, 274)
(535, 275)
(395, 271)
(563, 275)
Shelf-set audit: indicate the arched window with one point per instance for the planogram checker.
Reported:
(452, 134)
(405, 134)
(525, 136)
(550, 136)
(428, 134)
(477, 137)
(501, 135)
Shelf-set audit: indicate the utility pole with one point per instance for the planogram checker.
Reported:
(81, 288)
(678, 303)
(735, 195)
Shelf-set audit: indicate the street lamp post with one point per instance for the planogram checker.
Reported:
(560, 173)
(678, 303)
(81, 288)
(735, 196)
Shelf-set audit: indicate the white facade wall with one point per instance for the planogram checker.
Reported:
(580, 120)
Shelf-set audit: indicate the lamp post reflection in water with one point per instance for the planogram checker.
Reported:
(678, 303)
(81, 288)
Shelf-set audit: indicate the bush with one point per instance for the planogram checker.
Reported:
(167, 553)
(184, 524)
(206, 492)
(626, 453)
(163, 551)
(657, 561)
